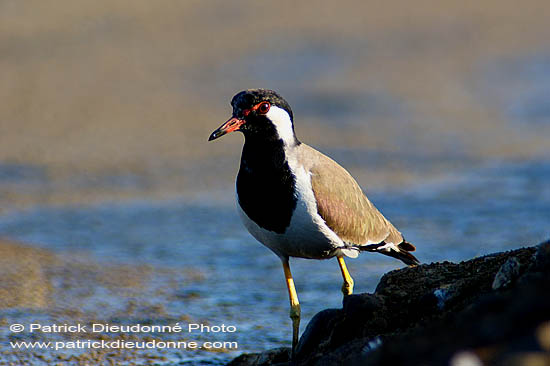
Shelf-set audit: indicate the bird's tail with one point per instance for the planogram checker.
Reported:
(400, 251)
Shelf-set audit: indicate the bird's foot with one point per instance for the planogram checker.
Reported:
(347, 287)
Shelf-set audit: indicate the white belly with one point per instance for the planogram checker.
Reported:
(303, 240)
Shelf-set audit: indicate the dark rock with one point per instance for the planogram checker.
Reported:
(363, 305)
(507, 273)
(487, 309)
(277, 356)
(542, 257)
(318, 331)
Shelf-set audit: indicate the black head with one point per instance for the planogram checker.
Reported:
(260, 114)
(247, 99)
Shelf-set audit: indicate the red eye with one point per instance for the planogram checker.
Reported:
(263, 107)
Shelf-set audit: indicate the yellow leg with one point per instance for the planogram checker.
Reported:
(294, 305)
(347, 287)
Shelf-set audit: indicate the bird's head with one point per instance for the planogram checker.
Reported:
(260, 114)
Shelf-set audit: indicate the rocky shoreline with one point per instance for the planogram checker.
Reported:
(489, 310)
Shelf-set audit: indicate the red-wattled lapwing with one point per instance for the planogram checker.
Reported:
(297, 201)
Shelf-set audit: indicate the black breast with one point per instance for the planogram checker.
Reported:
(265, 185)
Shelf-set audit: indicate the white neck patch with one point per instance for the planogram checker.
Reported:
(281, 120)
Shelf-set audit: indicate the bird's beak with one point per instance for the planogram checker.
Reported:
(233, 124)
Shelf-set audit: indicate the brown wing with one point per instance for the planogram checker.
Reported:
(344, 207)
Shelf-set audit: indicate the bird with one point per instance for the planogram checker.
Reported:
(297, 201)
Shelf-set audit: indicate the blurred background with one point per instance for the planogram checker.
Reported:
(114, 208)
